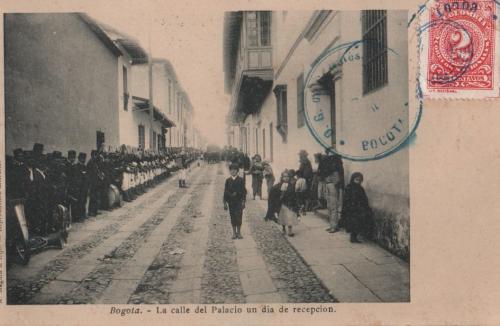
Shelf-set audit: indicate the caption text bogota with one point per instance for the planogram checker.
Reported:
(222, 309)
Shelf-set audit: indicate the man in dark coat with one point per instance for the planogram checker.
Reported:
(57, 185)
(17, 175)
(234, 198)
(96, 178)
(36, 205)
(105, 167)
(82, 187)
(71, 182)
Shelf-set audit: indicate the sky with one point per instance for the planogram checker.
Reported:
(192, 42)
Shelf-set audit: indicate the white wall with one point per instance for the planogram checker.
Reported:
(386, 180)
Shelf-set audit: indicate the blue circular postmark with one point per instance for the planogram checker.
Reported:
(349, 120)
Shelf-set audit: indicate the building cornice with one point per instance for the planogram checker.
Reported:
(316, 22)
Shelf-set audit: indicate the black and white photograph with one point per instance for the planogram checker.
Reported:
(139, 170)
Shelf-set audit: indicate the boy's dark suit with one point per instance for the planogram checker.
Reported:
(235, 195)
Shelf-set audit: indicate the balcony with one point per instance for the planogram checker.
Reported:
(248, 68)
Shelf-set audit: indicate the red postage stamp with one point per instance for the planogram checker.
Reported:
(461, 42)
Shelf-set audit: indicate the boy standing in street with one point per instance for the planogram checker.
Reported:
(234, 199)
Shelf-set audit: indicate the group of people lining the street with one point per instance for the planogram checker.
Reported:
(45, 181)
(300, 191)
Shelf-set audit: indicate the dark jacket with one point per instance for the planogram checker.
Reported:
(356, 212)
(234, 191)
(278, 198)
(18, 178)
(257, 169)
(305, 169)
(328, 165)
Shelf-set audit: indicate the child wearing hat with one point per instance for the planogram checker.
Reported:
(234, 199)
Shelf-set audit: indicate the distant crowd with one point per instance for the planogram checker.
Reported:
(84, 187)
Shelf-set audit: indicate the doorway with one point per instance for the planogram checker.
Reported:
(100, 139)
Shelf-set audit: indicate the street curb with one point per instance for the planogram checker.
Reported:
(334, 299)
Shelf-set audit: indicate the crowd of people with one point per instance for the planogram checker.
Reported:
(84, 187)
(299, 191)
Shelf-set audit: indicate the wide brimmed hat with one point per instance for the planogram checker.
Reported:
(18, 151)
(38, 148)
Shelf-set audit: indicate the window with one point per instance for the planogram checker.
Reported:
(142, 137)
(271, 141)
(100, 139)
(160, 142)
(154, 140)
(179, 99)
(265, 28)
(264, 142)
(259, 28)
(374, 29)
(248, 138)
(300, 101)
(256, 141)
(252, 28)
(282, 125)
(125, 89)
(169, 96)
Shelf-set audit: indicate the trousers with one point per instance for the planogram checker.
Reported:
(333, 204)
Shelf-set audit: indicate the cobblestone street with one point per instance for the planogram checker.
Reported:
(173, 245)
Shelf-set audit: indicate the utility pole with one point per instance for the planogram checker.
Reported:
(151, 105)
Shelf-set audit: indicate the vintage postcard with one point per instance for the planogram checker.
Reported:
(250, 163)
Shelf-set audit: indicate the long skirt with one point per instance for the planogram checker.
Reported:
(183, 174)
(287, 217)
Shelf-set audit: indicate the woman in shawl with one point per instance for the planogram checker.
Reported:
(282, 205)
(356, 212)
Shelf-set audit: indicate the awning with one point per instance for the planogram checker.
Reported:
(142, 104)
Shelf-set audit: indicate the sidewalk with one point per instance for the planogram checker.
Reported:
(359, 272)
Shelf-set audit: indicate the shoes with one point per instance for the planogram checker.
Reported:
(334, 230)
(234, 237)
(329, 229)
(239, 236)
(291, 234)
(356, 241)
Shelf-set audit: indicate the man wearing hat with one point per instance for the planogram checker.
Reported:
(71, 181)
(36, 205)
(17, 175)
(39, 158)
(82, 188)
(57, 187)
(95, 180)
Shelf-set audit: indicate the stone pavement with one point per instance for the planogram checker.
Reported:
(359, 272)
(174, 246)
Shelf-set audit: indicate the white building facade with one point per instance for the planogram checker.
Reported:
(267, 58)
